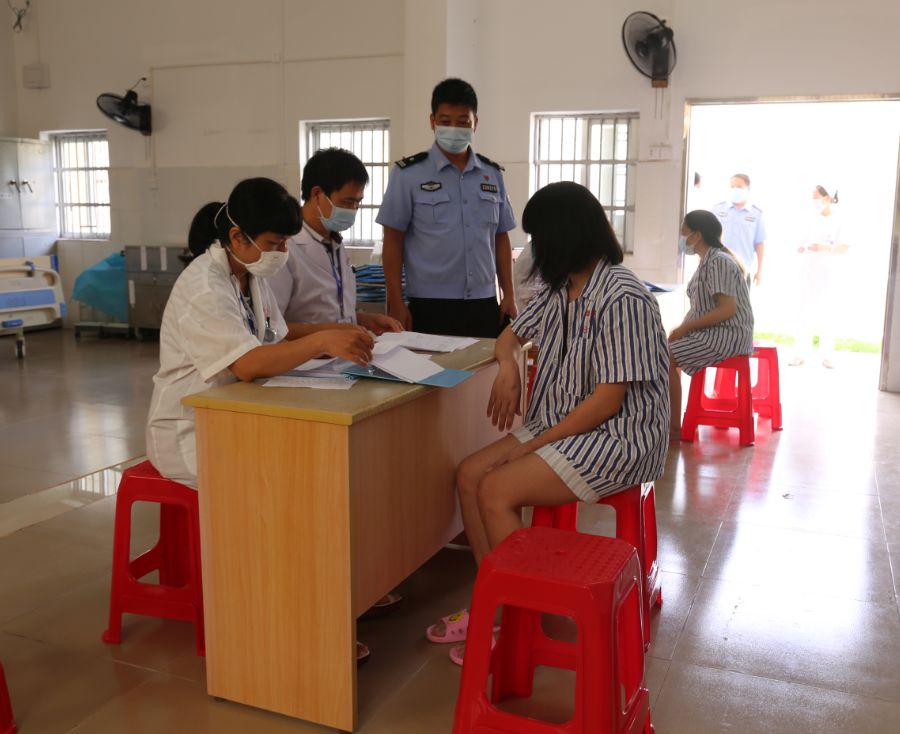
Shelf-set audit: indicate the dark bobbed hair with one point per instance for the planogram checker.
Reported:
(202, 232)
(454, 91)
(744, 177)
(824, 192)
(258, 205)
(569, 230)
(330, 169)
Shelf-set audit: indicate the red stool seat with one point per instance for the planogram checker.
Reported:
(766, 391)
(176, 555)
(635, 524)
(591, 579)
(7, 724)
(722, 412)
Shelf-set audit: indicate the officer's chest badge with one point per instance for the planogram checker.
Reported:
(430, 186)
(489, 187)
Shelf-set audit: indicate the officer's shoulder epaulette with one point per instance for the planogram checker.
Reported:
(485, 159)
(412, 159)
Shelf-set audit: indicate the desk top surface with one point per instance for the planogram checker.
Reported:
(343, 407)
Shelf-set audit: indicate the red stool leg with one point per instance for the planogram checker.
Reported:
(695, 395)
(121, 565)
(651, 565)
(7, 723)
(745, 405)
(563, 517)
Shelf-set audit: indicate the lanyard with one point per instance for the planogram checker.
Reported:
(338, 273)
(337, 269)
(247, 305)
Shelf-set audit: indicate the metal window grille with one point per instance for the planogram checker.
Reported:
(369, 140)
(81, 161)
(596, 150)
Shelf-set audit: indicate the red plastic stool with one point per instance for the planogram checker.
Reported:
(593, 580)
(7, 724)
(723, 412)
(635, 524)
(766, 391)
(176, 555)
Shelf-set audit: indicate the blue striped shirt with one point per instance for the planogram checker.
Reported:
(611, 333)
(718, 273)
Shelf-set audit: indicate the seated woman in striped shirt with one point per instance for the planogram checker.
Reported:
(719, 323)
(598, 415)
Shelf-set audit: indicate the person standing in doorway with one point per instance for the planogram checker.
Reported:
(446, 218)
(818, 273)
(743, 230)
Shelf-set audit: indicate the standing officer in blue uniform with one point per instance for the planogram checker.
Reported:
(446, 217)
(743, 230)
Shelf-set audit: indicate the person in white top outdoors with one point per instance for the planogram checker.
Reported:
(822, 246)
(222, 323)
(719, 323)
(317, 289)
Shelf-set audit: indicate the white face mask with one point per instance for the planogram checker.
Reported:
(685, 247)
(270, 261)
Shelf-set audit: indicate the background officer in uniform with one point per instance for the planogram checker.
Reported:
(743, 230)
(446, 217)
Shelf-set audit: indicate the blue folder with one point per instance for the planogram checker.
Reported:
(444, 378)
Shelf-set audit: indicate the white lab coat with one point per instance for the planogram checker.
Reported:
(306, 289)
(204, 330)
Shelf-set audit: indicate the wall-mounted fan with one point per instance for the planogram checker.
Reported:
(126, 110)
(650, 46)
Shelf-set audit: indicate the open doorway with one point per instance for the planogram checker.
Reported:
(787, 148)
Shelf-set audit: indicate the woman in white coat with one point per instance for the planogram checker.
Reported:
(222, 324)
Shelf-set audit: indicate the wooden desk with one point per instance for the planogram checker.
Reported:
(313, 504)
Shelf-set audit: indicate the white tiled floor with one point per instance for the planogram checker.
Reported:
(779, 571)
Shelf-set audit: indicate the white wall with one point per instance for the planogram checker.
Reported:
(572, 59)
(230, 81)
(8, 80)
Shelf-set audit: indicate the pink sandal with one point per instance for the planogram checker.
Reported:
(456, 626)
(458, 652)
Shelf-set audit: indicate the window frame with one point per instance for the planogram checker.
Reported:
(619, 198)
(94, 204)
(378, 170)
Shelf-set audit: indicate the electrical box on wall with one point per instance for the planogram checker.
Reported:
(36, 76)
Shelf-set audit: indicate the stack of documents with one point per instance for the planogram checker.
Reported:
(425, 342)
(389, 362)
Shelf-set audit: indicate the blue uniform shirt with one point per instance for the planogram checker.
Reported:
(742, 229)
(451, 220)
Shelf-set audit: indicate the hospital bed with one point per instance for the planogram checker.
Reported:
(30, 295)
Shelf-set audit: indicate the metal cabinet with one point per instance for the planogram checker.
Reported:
(27, 197)
(151, 272)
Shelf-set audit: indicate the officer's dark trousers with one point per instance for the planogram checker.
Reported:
(456, 316)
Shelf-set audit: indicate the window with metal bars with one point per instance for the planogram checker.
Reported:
(597, 150)
(81, 166)
(368, 140)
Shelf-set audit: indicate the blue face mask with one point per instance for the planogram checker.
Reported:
(453, 139)
(739, 194)
(340, 220)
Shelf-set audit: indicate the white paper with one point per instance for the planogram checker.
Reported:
(404, 364)
(425, 342)
(330, 367)
(319, 383)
